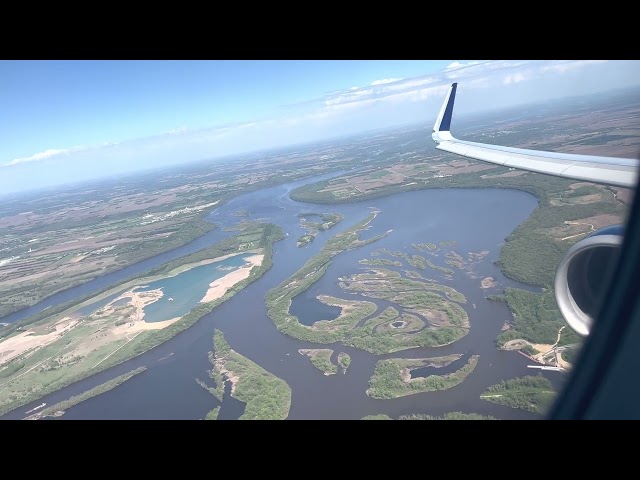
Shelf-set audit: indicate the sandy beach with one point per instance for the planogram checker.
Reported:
(219, 287)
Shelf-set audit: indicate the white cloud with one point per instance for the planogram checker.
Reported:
(381, 102)
(454, 65)
(52, 152)
(563, 66)
(176, 131)
(385, 80)
(514, 78)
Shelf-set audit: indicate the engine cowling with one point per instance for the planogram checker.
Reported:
(584, 274)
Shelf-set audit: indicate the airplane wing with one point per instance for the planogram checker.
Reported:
(619, 172)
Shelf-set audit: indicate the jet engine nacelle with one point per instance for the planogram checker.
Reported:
(584, 274)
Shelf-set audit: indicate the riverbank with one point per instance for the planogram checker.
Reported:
(266, 396)
(220, 286)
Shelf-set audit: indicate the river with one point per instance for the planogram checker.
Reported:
(477, 219)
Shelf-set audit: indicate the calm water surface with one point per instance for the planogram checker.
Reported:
(476, 219)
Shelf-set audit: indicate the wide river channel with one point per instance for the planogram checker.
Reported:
(477, 219)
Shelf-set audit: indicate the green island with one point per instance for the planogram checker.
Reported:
(327, 220)
(424, 247)
(61, 345)
(420, 416)
(445, 322)
(454, 259)
(381, 262)
(392, 377)
(531, 393)
(266, 396)
(212, 414)
(59, 408)
(344, 360)
(379, 416)
(278, 300)
(418, 261)
(383, 281)
(321, 359)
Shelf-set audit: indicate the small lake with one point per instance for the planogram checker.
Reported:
(183, 291)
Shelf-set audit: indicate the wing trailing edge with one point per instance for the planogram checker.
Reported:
(619, 172)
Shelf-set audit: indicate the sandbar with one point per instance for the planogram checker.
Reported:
(219, 287)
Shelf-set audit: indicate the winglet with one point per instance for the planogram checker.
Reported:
(442, 127)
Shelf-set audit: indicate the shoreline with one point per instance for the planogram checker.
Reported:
(220, 286)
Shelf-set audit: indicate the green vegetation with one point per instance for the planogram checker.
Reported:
(424, 246)
(536, 319)
(327, 220)
(522, 258)
(385, 281)
(381, 261)
(418, 261)
(60, 407)
(581, 191)
(140, 216)
(531, 393)
(267, 397)
(321, 359)
(213, 414)
(380, 416)
(278, 300)
(11, 368)
(19, 294)
(454, 259)
(50, 368)
(447, 322)
(344, 360)
(218, 389)
(448, 416)
(391, 377)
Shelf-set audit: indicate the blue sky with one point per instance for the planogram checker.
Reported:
(63, 121)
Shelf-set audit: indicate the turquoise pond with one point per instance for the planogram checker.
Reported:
(186, 289)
